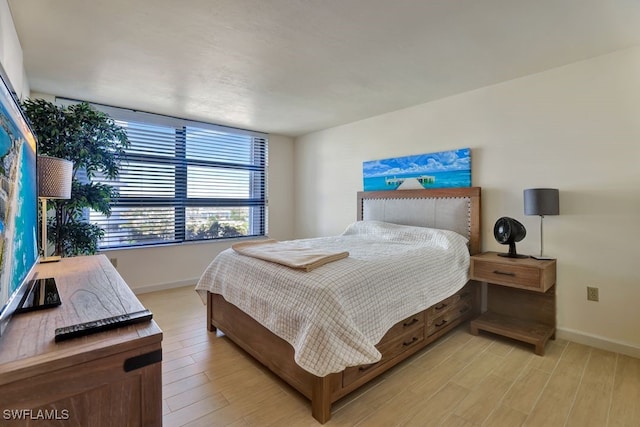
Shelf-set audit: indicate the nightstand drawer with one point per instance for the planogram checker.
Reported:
(523, 273)
(506, 274)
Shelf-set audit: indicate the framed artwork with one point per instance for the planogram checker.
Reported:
(444, 169)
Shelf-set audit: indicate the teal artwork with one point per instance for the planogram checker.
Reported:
(445, 169)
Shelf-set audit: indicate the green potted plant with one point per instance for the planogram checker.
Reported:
(95, 145)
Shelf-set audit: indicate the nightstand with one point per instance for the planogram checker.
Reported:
(521, 298)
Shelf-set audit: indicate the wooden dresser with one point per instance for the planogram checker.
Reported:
(111, 378)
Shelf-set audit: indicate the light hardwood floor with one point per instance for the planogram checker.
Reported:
(461, 380)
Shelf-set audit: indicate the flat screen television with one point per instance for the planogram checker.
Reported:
(18, 203)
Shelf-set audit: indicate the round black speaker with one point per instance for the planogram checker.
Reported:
(508, 231)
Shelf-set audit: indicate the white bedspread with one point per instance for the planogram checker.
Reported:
(334, 315)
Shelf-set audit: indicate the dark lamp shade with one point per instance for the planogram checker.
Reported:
(541, 201)
(54, 177)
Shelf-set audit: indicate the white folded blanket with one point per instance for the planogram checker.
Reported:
(290, 254)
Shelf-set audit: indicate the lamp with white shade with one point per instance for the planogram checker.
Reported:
(541, 201)
(54, 182)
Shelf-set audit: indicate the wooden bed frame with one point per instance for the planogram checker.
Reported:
(401, 341)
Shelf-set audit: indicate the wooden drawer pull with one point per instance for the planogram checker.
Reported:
(366, 367)
(408, 343)
(504, 273)
(464, 309)
(440, 306)
(411, 322)
(444, 321)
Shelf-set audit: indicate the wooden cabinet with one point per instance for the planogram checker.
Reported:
(105, 379)
(521, 299)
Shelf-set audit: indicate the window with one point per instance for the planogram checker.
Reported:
(185, 181)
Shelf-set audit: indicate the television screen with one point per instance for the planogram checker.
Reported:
(18, 202)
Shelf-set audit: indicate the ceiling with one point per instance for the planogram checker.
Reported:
(291, 67)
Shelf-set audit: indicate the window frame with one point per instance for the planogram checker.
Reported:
(180, 202)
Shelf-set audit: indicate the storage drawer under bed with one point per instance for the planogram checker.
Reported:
(417, 331)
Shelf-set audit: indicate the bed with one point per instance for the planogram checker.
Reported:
(322, 379)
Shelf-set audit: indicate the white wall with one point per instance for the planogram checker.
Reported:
(11, 52)
(148, 269)
(576, 128)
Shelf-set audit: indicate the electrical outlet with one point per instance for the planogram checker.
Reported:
(114, 261)
(592, 294)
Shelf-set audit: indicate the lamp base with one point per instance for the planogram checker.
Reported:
(50, 259)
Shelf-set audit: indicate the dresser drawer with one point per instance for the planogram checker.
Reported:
(451, 303)
(398, 344)
(390, 348)
(411, 323)
(462, 308)
(400, 337)
(412, 333)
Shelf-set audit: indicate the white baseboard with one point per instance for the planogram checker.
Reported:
(598, 342)
(164, 286)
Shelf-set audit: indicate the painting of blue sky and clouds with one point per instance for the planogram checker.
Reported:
(443, 169)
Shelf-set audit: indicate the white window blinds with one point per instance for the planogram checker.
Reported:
(184, 181)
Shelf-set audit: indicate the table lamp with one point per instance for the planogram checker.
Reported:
(541, 201)
(54, 182)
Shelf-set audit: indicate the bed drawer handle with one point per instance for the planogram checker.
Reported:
(440, 306)
(504, 273)
(464, 309)
(442, 323)
(408, 343)
(411, 322)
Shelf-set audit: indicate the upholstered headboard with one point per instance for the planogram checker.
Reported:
(456, 209)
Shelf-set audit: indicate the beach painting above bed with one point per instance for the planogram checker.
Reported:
(445, 169)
